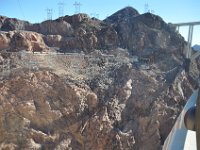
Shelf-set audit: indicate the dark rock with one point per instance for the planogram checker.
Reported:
(125, 28)
(153, 21)
(50, 27)
(122, 15)
(10, 24)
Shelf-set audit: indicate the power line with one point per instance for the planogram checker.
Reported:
(49, 17)
(49, 13)
(61, 9)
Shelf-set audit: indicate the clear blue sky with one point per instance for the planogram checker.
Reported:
(174, 11)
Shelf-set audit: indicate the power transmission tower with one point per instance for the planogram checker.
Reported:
(147, 10)
(49, 17)
(146, 7)
(77, 6)
(61, 9)
(49, 13)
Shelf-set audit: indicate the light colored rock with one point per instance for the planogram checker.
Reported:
(127, 89)
(53, 40)
(4, 40)
(92, 101)
(30, 41)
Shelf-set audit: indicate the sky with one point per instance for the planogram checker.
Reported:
(173, 11)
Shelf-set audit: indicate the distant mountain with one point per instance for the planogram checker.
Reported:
(196, 47)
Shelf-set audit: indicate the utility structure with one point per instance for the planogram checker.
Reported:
(49, 17)
(77, 6)
(49, 13)
(146, 7)
(147, 10)
(61, 9)
(191, 25)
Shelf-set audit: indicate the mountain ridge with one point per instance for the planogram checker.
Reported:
(133, 32)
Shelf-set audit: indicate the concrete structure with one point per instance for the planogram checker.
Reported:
(181, 138)
(190, 35)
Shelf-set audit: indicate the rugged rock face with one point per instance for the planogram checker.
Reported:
(30, 41)
(122, 15)
(128, 99)
(22, 40)
(50, 27)
(119, 108)
(140, 103)
(41, 111)
(4, 40)
(125, 28)
(53, 40)
(9, 24)
(146, 32)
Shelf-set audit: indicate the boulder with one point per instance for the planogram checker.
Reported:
(53, 40)
(11, 24)
(29, 41)
(4, 40)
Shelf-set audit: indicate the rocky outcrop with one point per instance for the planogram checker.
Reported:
(22, 40)
(43, 112)
(10, 24)
(49, 27)
(108, 38)
(125, 29)
(128, 99)
(115, 106)
(28, 40)
(147, 31)
(140, 104)
(2, 19)
(53, 40)
(122, 15)
(4, 40)
(77, 19)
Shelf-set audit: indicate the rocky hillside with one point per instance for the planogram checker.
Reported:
(124, 91)
(121, 107)
(125, 28)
